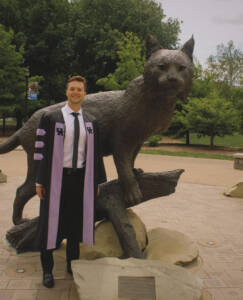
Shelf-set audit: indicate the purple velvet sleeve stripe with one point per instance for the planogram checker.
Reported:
(88, 199)
(40, 131)
(39, 144)
(38, 156)
(55, 191)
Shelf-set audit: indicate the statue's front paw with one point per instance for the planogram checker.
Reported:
(133, 196)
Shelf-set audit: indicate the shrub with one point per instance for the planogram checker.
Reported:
(153, 141)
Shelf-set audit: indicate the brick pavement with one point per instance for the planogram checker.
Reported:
(197, 209)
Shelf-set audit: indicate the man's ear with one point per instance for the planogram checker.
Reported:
(188, 47)
(152, 45)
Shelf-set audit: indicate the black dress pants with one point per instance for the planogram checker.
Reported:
(47, 261)
(70, 218)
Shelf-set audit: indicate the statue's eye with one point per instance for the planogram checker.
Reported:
(181, 68)
(162, 67)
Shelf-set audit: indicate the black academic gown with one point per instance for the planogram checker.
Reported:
(49, 159)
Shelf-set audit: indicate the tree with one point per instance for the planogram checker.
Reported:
(12, 80)
(129, 66)
(203, 81)
(104, 22)
(11, 68)
(44, 28)
(178, 128)
(226, 67)
(212, 116)
(202, 86)
(224, 75)
(237, 100)
(63, 38)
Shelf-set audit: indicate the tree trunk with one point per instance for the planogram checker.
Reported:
(212, 141)
(19, 123)
(187, 138)
(19, 119)
(4, 125)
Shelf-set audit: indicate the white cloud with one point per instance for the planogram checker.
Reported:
(212, 22)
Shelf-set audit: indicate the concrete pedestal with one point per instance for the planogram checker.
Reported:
(238, 161)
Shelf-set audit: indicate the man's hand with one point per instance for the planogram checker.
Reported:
(40, 191)
(98, 190)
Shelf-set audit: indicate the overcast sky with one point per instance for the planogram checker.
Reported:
(212, 22)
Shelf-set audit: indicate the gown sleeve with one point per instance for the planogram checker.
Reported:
(41, 150)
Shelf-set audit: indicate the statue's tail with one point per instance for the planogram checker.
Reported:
(11, 143)
(24, 237)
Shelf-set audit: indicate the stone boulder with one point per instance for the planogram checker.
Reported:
(235, 191)
(107, 243)
(170, 246)
(3, 177)
(115, 279)
(163, 244)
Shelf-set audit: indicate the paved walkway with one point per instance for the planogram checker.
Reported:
(197, 209)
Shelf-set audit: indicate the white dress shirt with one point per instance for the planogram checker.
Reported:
(69, 138)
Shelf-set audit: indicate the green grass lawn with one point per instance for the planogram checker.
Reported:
(235, 140)
(187, 154)
(9, 122)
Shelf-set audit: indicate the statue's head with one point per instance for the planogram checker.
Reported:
(169, 71)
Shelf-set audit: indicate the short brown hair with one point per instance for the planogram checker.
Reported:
(77, 78)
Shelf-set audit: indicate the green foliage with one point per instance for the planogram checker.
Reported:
(12, 80)
(226, 69)
(203, 82)
(63, 38)
(103, 23)
(237, 99)
(7, 111)
(227, 64)
(43, 27)
(224, 75)
(153, 141)
(177, 129)
(138, 16)
(202, 86)
(212, 116)
(129, 66)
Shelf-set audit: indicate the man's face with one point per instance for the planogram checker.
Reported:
(75, 92)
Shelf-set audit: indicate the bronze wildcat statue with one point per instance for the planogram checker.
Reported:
(126, 118)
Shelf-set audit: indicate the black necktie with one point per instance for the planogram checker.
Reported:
(75, 142)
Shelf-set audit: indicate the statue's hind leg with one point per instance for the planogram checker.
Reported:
(24, 193)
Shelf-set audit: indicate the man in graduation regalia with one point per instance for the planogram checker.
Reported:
(69, 169)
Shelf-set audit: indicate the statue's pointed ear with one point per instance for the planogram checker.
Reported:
(152, 45)
(188, 47)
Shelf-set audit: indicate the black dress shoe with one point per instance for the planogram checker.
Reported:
(48, 280)
(69, 268)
